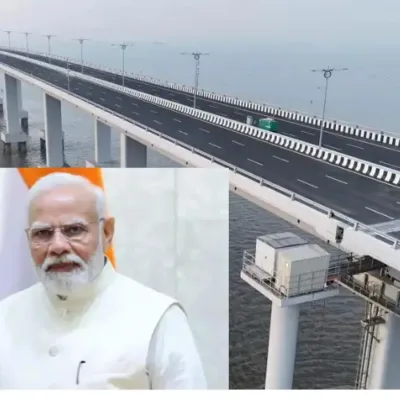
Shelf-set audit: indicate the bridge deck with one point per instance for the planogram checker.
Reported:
(366, 149)
(357, 196)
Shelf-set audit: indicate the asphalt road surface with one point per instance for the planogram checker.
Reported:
(359, 197)
(369, 150)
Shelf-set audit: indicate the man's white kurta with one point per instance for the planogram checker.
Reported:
(118, 334)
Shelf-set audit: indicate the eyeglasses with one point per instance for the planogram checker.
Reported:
(74, 232)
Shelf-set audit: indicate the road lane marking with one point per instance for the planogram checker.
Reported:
(332, 147)
(117, 105)
(281, 159)
(223, 115)
(238, 113)
(89, 93)
(238, 143)
(336, 179)
(307, 183)
(101, 98)
(135, 113)
(214, 145)
(204, 130)
(119, 98)
(177, 120)
(157, 122)
(212, 106)
(255, 162)
(378, 212)
(183, 132)
(308, 133)
(390, 165)
(134, 104)
(289, 134)
(154, 111)
(104, 92)
(353, 145)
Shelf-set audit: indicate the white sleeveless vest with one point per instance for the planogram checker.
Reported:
(101, 336)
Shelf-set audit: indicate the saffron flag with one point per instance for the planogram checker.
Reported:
(16, 269)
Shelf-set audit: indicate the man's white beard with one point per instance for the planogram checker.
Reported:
(65, 283)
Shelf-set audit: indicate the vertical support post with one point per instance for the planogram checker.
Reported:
(102, 142)
(282, 346)
(385, 356)
(53, 131)
(133, 153)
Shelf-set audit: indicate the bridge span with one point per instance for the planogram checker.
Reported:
(374, 146)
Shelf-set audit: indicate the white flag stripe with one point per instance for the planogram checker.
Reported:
(16, 270)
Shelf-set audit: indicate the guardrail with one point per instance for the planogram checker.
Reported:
(294, 197)
(380, 136)
(357, 165)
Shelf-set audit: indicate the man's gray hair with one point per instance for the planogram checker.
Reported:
(59, 179)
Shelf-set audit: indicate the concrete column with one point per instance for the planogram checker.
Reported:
(13, 132)
(385, 356)
(133, 153)
(282, 346)
(53, 131)
(23, 115)
(102, 142)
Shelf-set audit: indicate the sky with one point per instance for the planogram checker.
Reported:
(349, 24)
(262, 50)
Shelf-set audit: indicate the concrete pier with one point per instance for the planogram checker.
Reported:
(53, 131)
(133, 153)
(102, 142)
(12, 103)
(23, 114)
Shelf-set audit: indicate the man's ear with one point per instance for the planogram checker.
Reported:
(108, 232)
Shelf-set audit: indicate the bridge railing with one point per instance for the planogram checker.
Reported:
(294, 197)
(296, 115)
(379, 172)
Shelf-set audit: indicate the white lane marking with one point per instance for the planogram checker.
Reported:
(255, 162)
(332, 147)
(89, 93)
(117, 105)
(177, 120)
(204, 130)
(80, 83)
(223, 115)
(157, 122)
(154, 111)
(135, 113)
(238, 143)
(102, 99)
(390, 165)
(119, 98)
(238, 113)
(308, 133)
(289, 134)
(214, 145)
(171, 94)
(353, 145)
(183, 132)
(212, 106)
(281, 159)
(134, 104)
(104, 92)
(336, 179)
(378, 212)
(307, 183)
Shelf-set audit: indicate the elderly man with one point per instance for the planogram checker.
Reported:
(84, 325)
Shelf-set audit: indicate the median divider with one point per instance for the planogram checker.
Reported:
(336, 126)
(360, 166)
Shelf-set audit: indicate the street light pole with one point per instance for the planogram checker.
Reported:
(9, 38)
(27, 41)
(49, 45)
(81, 41)
(123, 47)
(327, 72)
(196, 56)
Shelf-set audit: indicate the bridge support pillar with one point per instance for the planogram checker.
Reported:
(23, 114)
(13, 132)
(102, 142)
(133, 153)
(53, 131)
(282, 346)
(385, 355)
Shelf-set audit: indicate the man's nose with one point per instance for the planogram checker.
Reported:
(59, 244)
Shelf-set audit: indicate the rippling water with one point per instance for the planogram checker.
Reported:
(329, 335)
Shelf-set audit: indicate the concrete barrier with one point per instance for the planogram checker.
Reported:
(357, 165)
